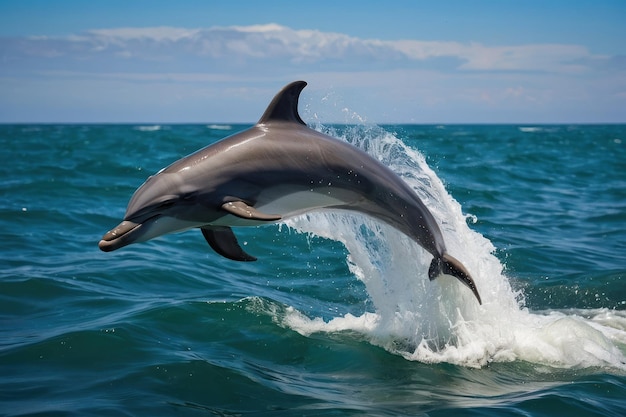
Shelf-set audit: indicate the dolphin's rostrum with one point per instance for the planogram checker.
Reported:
(277, 169)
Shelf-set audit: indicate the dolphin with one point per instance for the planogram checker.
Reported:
(277, 169)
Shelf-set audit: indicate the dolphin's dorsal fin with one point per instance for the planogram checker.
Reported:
(284, 106)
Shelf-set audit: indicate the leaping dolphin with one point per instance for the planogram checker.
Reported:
(277, 169)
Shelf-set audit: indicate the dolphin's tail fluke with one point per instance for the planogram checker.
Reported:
(451, 266)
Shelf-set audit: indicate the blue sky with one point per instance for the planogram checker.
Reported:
(383, 62)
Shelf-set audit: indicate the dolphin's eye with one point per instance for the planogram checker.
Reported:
(166, 204)
(188, 196)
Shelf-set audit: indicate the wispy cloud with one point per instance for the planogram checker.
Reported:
(296, 47)
(264, 54)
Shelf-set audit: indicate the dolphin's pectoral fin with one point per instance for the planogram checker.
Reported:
(451, 266)
(241, 209)
(223, 241)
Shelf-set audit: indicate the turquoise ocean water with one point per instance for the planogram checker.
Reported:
(337, 317)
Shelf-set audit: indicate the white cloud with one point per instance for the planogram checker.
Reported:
(158, 34)
(391, 80)
(272, 42)
(270, 27)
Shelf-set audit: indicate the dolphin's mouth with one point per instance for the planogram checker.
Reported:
(124, 234)
(141, 229)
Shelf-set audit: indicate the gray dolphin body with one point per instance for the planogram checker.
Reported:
(277, 169)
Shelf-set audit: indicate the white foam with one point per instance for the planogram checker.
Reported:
(441, 321)
(219, 127)
(148, 128)
(530, 129)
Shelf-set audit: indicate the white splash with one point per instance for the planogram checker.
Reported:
(441, 321)
(219, 127)
(148, 128)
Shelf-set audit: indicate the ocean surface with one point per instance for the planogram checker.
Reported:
(337, 317)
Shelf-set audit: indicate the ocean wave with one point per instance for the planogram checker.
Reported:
(530, 129)
(148, 128)
(219, 127)
(441, 321)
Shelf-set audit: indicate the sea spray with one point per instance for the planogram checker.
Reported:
(441, 321)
